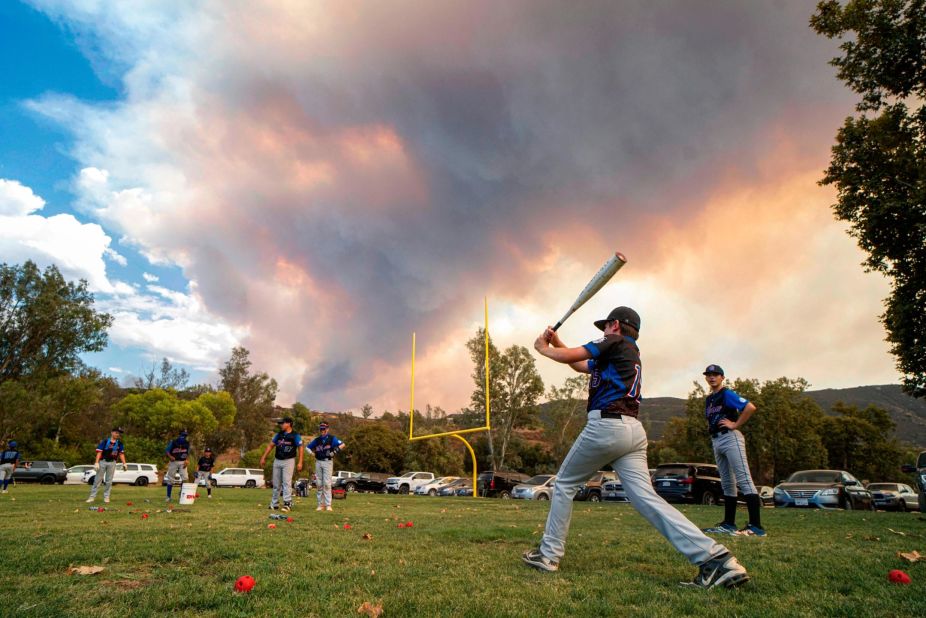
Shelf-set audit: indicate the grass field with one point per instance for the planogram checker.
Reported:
(460, 558)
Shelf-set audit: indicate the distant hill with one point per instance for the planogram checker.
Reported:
(907, 412)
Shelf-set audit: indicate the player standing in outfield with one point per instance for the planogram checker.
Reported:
(613, 436)
(9, 459)
(105, 465)
(288, 445)
(204, 470)
(324, 447)
(178, 450)
(726, 412)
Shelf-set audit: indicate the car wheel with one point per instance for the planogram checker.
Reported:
(251, 484)
(141, 481)
(594, 498)
(504, 495)
(47, 480)
(432, 492)
(403, 489)
(708, 498)
(214, 483)
(543, 497)
(91, 480)
(847, 504)
(350, 487)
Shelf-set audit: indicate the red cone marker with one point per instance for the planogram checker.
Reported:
(244, 584)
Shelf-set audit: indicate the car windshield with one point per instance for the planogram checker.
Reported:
(815, 476)
(540, 479)
(672, 472)
(884, 487)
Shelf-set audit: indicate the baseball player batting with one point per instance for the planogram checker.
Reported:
(726, 412)
(613, 436)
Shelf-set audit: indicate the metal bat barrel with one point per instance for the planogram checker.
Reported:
(597, 282)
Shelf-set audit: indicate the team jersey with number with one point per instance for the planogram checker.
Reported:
(110, 449)
(324, 446)
(720, 405)
(205, 464)
(287, 444)
(179, 449)
(616, 375)
(9, 456)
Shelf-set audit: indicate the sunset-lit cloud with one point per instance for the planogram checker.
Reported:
(331, 177)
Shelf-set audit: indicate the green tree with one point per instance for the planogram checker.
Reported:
(366, 411)
(158, 415)
(163, 376)
(878, 163)
(46, 323)
(442, 456)
(566, 412)
(254, 396)
(860, 442)
(521, 388)
(477, 352)
(374, 447)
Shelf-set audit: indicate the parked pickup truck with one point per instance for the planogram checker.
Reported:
(44, 472)
(408, 482)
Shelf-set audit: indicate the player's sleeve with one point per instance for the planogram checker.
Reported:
(735, 401)
(169, 445)
(298, 440)
(337, 443)
(601, 347)
(275, 439)
(311, 445)
(101, 446)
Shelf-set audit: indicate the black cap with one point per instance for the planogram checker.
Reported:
(118, 429)
(285, 420)
(207, 450)
(624, 315)
(713, 369)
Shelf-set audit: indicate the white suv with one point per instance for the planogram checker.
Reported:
(135, 474)
(238, 477)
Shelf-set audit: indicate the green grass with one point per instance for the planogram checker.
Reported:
(461, 558)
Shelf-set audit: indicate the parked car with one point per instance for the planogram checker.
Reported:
(75, 475)
(465, 491)
(698, 483)
(451, 488)
(499, 483)
(893, 496)
(363, 482)
(920, 471)
(767, 494)
(431, 489)
(135, 474)
(408, 482)
(591, 491)
(539, 487)
(613, 491)
(826, 489)
(44, 472)
(238, 477)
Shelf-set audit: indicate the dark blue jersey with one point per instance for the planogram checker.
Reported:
(110, 449)
(9, 456)
(287, 444)
(205, 464)
(178, 448)
(616, 375)
(720, 405)
(324, 447)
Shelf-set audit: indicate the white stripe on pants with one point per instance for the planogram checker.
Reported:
(104, 474)
(283, 480)
(730, 455)
(620, 442)
(323, 471)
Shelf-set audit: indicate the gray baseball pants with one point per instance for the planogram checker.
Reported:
(620, 443)
(173, 468)
(282, 481)
(104, 475)
(6, 471)
(324, 469)
(730, 455)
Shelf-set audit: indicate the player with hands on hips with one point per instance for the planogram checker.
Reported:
(325, 446)
(105, 465)
(726, 412)
(614, 437)
(178, 450)
(288, 445)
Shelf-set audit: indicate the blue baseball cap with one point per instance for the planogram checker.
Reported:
(322, 426)
(12, 443)
(624, 315)
(714, 369)
(184, 432)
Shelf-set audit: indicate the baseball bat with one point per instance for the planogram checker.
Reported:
(597, 282)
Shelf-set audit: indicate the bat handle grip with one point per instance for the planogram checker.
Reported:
(558, 324)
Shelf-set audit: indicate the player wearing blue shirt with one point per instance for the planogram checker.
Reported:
(107, 452)
(288, 445)
(614, 437)
(204, 470)
(9, 459)
(324, 447)
(725, 412)
(178, 450)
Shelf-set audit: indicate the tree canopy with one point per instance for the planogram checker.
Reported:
(878, 164)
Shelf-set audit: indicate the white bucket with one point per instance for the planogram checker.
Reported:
(187, 493)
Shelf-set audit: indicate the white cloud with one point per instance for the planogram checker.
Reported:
(17, 200)
(150, 278)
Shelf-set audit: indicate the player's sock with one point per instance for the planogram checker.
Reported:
(729, 510)
(6, 482)
(209, 490)
(169, 489)
(754, 504)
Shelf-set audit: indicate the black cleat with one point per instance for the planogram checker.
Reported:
(724, 570)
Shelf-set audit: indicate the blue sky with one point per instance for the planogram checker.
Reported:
(316, 181)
